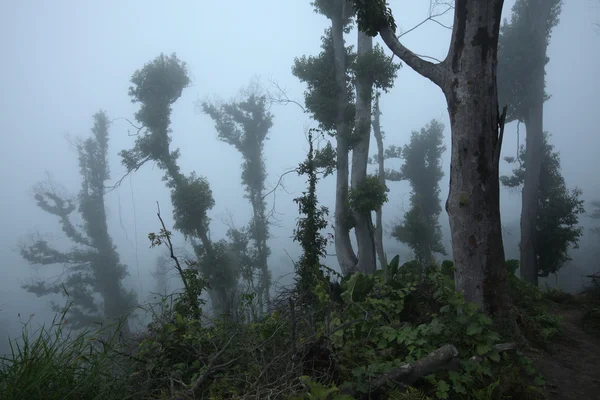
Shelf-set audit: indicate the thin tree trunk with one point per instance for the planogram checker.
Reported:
(381, 174)
(530, 197)
(363, 229)
(539, 12)
(343, 245)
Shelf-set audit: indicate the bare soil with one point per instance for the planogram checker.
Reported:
(572, 368)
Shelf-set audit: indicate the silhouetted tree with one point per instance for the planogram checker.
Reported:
(558, 210)
(156, 87)
(92, 265)
(421, 229)
(245, 125)
(522, 59)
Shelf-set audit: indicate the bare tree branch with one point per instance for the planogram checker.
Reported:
(281, 97)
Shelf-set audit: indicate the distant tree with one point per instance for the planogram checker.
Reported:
(559, 210)
(161, 275)
(92, 265)
(331, 100)
(156, 87)
(522, 59)
(595, 214)
(245, 125)
(421, 229)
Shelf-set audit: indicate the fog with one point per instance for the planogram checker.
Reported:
(65, 60)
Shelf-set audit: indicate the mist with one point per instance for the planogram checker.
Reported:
(66, 60)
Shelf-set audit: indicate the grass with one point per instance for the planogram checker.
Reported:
(52, 363)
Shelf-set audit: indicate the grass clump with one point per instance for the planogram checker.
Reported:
(53, 363)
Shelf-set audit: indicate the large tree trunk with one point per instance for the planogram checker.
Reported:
(473, 203)
(539, 12)
(468, 79)
(381, 174)
(363, 228)
(343, 245)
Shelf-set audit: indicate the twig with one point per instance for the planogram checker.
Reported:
(210, 367)
(138, 128)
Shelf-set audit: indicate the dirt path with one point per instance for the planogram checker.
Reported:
(572, 371)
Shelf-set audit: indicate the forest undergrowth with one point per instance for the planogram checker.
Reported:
(403, 333)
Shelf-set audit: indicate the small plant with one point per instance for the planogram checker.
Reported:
(51, 364)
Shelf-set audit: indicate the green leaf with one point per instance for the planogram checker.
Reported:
(483, 349)
(494, 356)
(474, 329)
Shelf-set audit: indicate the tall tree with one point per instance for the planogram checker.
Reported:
(379, 158)
(521, 84)
(421, 229)
(331, 100)
(559, 209)
(93, 265)
(595, 214)
(467, 77)
(156, 87)
(245, 125)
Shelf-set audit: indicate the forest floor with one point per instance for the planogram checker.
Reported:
(572, 367)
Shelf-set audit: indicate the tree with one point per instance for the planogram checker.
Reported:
(596, 215)
(330, 98)
(559, 209)
(161, 274)
(245, 125)
(92, 265)
(156, 87)
(379, 136)
(421, 229)
(521, 84)
(467, 77)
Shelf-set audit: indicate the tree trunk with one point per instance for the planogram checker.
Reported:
(531, 185)
(473, 203)
(539, 11)
(381, 174)
(363, 228)
(343, 246)
(468, 79)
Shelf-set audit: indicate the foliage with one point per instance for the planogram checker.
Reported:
(245, 125)
(93, 265)
(370, 195)
(373, 327)
(373, 15)
(519, 59)
(308, 228)
(156, 87)
(50, 364)
(537, 321)
(559, 210)
(318, 72)
(421, 229)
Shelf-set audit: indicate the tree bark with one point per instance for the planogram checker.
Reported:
(468, 79)
(381, 174)
(363, 228)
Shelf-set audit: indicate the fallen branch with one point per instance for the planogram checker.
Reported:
(444, 358)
